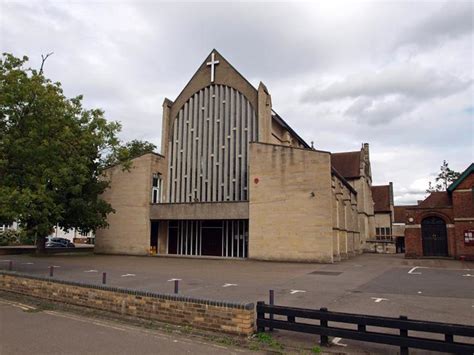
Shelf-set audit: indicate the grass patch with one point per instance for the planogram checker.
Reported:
(267, 339)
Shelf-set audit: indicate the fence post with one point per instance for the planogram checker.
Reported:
(10, 265)
(176, 286)
(260, 315)
(271, 302)
(51, 271)
(403, 333)
(104, 278)
(448, 338)
(324, 341)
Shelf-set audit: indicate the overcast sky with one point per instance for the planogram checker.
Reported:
(398, 75)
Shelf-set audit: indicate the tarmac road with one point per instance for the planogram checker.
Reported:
(24, 330)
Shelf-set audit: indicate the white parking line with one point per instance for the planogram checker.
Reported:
(468, 275)
(379, 299)
(91, 271)
(292, 292)
(411, 272)
(28, 263)
(23, 306)
(127, 275)
(229, 285)
(336, 341)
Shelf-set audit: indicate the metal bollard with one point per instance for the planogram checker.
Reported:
(10, 265)
(51, 271)
(271, 297)
(176, 286)
(104, 278)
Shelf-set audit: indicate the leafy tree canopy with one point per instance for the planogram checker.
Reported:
(128, 151)
(53, 153)
(445, 178)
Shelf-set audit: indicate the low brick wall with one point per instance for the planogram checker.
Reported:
(232, 318)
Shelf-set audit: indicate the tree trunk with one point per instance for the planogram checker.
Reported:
(40, 245)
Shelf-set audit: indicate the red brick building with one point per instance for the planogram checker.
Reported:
(442, 225)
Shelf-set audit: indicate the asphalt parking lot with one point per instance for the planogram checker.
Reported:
(440, 290)
(388, 285)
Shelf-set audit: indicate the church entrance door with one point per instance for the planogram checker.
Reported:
(434, 237)
(212, 238)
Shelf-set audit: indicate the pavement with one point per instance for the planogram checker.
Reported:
(373, 284)
(25, 330)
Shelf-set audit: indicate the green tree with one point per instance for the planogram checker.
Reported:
(129, 150)
(445, 178)
(52, 154)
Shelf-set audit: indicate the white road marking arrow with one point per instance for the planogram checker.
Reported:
(170, 280)
(379, 299)
(336, 341)
(296, 291)
(90, 271)
(411, 272)
(127, 275)
(229, 285)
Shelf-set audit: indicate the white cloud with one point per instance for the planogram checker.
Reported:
(406, 80)
(375, 72)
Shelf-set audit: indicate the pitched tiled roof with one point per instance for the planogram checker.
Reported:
(400, 213)
(347, 164)
(460, 179)
(381, 197)
(436, 199)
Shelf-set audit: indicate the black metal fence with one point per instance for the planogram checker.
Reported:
(402, 325)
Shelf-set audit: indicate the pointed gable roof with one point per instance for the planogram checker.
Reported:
(381, 197)
(465, 174)
(436, 199)
(347, 164)
(225, 74)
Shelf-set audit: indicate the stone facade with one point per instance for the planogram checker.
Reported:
(231, 318)
(218, 136)
(355, 168)
(384, 241)
(290, 204)
(130, 196)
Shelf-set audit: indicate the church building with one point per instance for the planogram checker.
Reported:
(234, 180)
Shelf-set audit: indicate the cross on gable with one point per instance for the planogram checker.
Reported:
(213, 64)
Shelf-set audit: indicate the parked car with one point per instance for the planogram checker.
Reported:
(59, 243)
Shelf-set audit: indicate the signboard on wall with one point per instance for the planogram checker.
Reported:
(469, 237)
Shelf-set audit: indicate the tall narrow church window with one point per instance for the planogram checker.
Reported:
(157, 184)
(209, 145)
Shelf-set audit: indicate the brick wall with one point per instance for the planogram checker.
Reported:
(232, 318)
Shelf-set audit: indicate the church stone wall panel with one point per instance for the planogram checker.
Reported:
(290, 204)
(130, 196)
